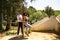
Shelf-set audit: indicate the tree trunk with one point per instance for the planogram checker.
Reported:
(1, 19)
(8, 24)
(1, 15)
(8, 19)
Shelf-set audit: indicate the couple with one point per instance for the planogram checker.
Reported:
(23, 21)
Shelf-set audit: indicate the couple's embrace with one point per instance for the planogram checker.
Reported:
(23, 22)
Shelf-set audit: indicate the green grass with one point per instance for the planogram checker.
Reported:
(12, 31)
(12, 27)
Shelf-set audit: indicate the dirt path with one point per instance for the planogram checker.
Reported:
(34, 36)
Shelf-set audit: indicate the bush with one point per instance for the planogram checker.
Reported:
(14, 24)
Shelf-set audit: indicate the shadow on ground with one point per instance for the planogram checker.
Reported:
(57, 33)
(18, 38)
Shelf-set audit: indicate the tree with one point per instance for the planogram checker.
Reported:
(9, 8)
(31, 11)
(49, 11)
(12, 6)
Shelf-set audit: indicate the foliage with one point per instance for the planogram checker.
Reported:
(49, 11)
(35, 15)
(31, 12)
(56, 12)
(8, 9)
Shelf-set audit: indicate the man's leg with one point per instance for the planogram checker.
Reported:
(18, 28)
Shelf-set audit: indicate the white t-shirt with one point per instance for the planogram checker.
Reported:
(19, 18)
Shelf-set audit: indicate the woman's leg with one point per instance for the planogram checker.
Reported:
(29, 28)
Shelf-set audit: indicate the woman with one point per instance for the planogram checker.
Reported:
(25, 19)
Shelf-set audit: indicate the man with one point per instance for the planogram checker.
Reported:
(20, 23)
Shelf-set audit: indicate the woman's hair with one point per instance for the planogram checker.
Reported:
(25, 13)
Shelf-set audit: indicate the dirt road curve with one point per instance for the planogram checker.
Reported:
(34, 36)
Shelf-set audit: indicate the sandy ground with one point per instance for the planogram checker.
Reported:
(33, 36)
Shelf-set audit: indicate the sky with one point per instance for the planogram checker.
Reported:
(41, 4)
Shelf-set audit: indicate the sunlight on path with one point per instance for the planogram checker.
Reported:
(7, 37)
(36, 36)
(43, 36)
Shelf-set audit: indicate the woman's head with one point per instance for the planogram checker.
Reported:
(24, 14)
